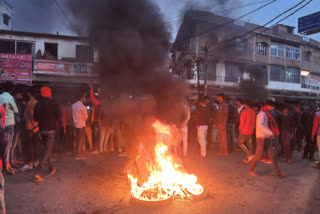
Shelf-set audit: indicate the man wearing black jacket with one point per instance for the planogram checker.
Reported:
(307, 123)
(46, 113)
(202, 118)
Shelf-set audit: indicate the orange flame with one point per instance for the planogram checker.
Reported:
(167, 178)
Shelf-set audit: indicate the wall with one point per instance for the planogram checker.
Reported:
(66, 47)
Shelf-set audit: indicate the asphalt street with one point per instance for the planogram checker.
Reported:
(99, 185)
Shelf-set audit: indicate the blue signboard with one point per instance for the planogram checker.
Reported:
(309, 24)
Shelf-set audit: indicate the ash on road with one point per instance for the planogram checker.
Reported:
(98, 185)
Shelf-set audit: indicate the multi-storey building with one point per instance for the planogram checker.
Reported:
(223, 53)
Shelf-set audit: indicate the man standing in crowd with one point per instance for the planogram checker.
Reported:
(307, 122)
(32, 133)
(232, 117)
(19, 126)
(67, 124)
(221, 122)
(7, 101)
(246, 127)
(287, 129)
(316, 133)
(184, 128)
(95, 117)
(266, 130)
(80, 116)
(240, 106)
(46, 113)
(202, 118)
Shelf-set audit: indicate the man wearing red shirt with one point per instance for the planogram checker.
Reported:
(246, 127)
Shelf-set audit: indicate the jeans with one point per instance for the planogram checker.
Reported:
(96, 134)
(202, 139)
(309, 148)
(32, 146)
(184, 132)
(286, 139)
(47, 142)
(2, 203)
(18, 133)
(89, 137)
(105, 133)
(230, 139)
(80, 138)
(261, 144)
(68, 138)
(244, 142)
(9, 130)
(223, 143)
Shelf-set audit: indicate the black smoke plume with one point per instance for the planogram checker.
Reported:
(133, 45)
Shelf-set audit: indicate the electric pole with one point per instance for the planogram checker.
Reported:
(205, 70)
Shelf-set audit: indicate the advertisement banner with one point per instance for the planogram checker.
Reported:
(16, 68)
(314, 79)
(43, 66)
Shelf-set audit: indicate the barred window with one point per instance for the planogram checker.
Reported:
(281, 74)
(240, 45)
(277, 73)
(262, 48)
(293, 75)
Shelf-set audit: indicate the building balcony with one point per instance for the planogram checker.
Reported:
(216, 81)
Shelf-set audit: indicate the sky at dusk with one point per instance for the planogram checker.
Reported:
(45, 16)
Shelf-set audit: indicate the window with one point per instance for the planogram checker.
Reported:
(277, 50)
(50, 51)
(240, 45)
(293, 53)
(281, 74)
(25, 48)
(233, 72)
(6, 19)
(293, 75)
(277, 73)
(7, 46)
(307, 56)
(84, 53)
(262, 48)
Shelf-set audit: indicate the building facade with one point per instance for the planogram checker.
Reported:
(6, 14)
(37, 58)
(224, 55)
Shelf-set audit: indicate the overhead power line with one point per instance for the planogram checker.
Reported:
(226, 23)
(179, 18)
(273, 19)
(62, 11)
(271, 26)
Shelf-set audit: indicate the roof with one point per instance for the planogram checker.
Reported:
(45, 35)
(198, 22)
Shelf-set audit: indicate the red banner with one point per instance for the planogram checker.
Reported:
(16, 68)
(43, 66)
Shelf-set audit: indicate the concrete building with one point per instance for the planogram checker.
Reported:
(55, 59)
(6, 14)
(229, 55)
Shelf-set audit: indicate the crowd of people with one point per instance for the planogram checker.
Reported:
(31, 123)
(264, 131)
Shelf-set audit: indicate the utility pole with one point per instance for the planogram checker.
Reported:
(205, 70)
(196, 62)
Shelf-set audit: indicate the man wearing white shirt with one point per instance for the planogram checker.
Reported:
(80, 116)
